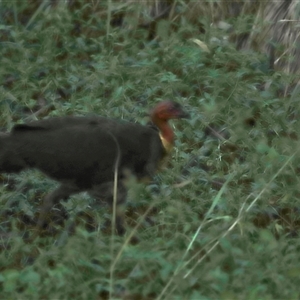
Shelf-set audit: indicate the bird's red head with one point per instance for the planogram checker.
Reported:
(160, 115)
(167, 110)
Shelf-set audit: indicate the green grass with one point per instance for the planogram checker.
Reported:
(210, 236)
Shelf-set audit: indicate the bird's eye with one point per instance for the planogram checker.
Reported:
(174, 110)
(171, 109)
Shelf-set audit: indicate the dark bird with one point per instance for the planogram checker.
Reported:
(85, 153)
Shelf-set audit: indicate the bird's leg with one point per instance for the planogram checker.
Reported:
(105, 192)
(53, 198)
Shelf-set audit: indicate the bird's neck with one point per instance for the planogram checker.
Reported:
(165, 132)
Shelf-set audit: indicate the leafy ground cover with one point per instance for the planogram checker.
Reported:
(220, 222)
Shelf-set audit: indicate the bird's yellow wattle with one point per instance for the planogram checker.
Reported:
(167, 145)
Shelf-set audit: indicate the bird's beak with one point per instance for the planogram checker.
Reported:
(183, 115)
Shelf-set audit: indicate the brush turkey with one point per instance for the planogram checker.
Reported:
(83, 153)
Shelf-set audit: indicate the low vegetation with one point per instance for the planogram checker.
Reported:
(221, 221)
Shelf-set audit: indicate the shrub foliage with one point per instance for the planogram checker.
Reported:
(220, 222)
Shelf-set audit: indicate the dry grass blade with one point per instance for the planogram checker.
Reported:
(182, 264)
(241, 213)
(113, 223)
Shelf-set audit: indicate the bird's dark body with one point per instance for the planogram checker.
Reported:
(85, 153)
(82, 153)
(82, 150)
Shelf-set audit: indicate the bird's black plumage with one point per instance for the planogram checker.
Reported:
(82, 153)
(85, 152)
